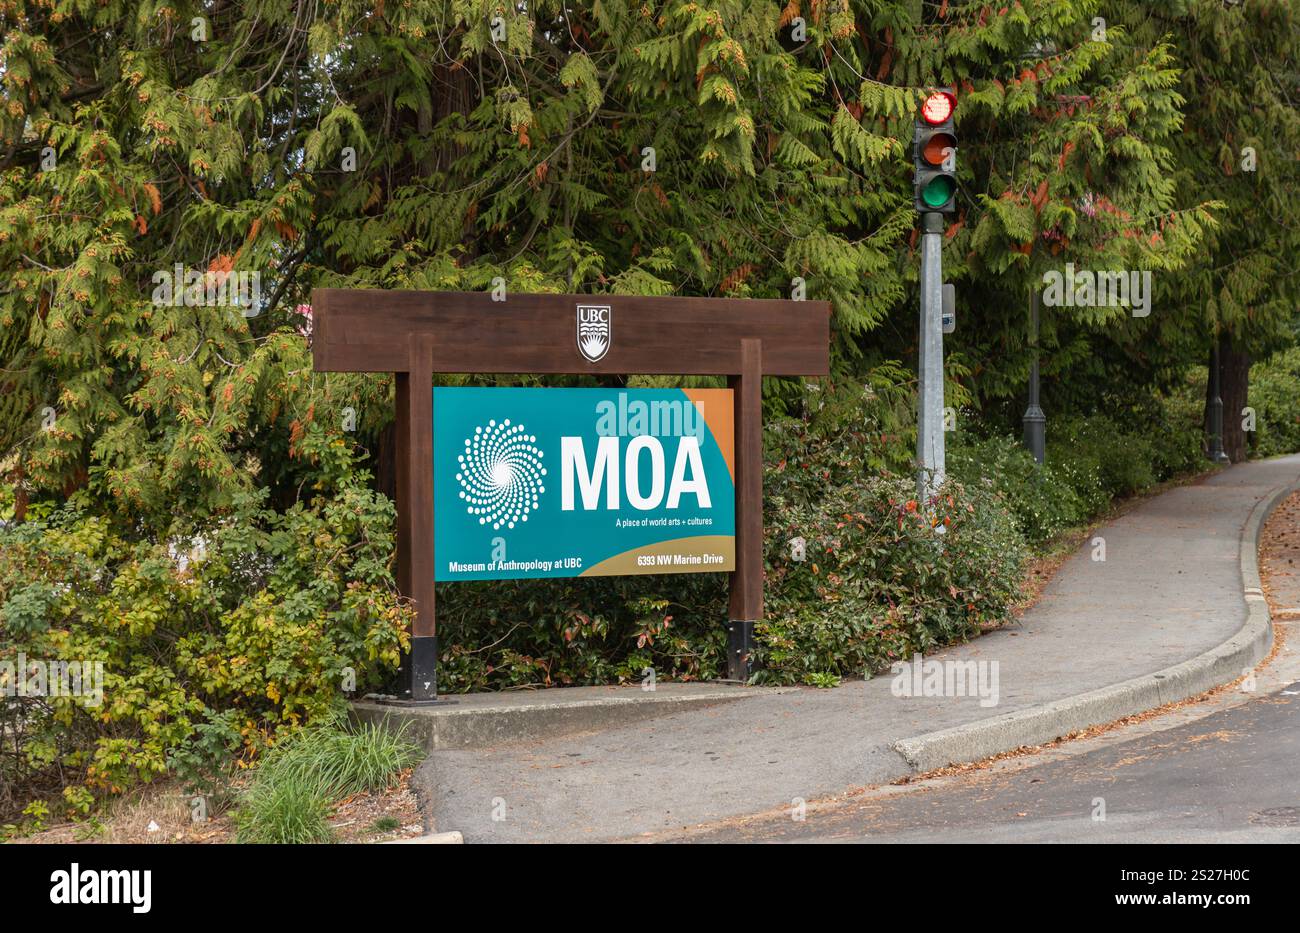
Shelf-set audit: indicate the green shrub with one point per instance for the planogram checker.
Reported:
(1082, 473)
(1090, 462)
(1043, 500)
(580, 630)
(1178, 435)
(1124, 462)
(883, 575)
(1275, 396)
(207, 653)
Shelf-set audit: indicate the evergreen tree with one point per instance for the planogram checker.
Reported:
(1241, 80)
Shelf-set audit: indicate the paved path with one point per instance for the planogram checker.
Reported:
(1169, 589)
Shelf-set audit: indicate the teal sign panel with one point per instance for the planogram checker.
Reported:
(532, 483)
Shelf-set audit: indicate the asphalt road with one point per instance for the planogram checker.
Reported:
(1229, 777)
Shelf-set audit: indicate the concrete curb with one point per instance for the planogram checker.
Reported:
(452, 838)
(1045, 723)
(483, 720)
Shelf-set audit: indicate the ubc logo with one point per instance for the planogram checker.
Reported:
(595, 331)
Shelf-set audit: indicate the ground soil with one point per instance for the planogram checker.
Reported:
(161, 813)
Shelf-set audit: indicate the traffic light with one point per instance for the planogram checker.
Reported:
(934, 153)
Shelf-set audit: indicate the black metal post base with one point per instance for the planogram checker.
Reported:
(1035, 433)
(1217, 453)
(417, 678)
(740, 648)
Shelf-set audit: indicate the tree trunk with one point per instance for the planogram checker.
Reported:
(452, 91)
(1234, 367)
(1234, 383)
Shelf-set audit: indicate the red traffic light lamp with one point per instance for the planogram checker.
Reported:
(938, 107)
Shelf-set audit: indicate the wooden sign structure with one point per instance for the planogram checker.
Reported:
(415, 334)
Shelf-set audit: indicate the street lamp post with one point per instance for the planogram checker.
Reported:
(1217, 453)
(1035, 422)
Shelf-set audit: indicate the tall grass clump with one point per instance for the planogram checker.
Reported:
(290, 795)
(283, 813)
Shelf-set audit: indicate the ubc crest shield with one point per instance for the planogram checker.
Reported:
(595, 331)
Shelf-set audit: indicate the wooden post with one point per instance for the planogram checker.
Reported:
(418, 680)
(746, 605)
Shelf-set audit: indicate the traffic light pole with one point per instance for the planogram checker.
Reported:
(929, 434)
(934, 158)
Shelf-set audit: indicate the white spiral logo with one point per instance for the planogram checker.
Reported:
(501, 474)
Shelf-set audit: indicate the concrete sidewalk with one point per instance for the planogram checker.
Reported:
(1100, 643)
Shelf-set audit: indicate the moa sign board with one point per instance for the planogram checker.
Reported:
(619, 494)
(533, 483)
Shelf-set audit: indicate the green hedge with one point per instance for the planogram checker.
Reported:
(1275, 396)
(1043, 502)
(1091, 461)
(883, 575)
